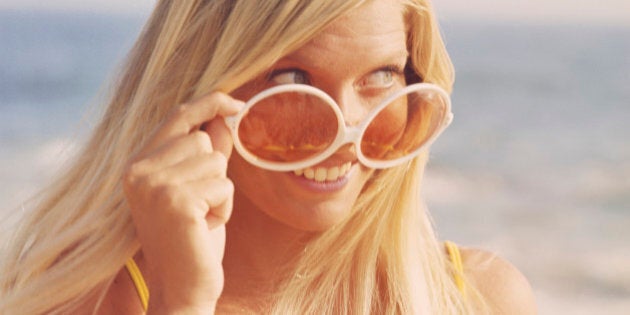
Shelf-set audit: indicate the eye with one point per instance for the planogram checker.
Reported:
(289, 76)
(380, 79)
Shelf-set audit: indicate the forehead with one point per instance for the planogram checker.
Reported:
(375, 30)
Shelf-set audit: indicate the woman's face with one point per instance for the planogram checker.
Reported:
(358, 60)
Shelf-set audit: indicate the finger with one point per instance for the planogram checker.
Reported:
(220, 214)
(197, 168)
(177, 150)
(188, 117)
(220, 136)
(217, 196)
(187, 202)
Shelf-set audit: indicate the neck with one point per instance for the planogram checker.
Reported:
(258, 251)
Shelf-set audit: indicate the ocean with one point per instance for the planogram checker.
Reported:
(536, 165)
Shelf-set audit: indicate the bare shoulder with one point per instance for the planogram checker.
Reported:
(504, 288)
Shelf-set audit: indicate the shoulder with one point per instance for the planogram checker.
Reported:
(504, 288)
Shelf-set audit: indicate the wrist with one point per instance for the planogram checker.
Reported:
(160, 309)
(161, 306)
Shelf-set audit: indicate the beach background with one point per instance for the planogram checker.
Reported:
(536, 165)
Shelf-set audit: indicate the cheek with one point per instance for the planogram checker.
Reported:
(260, 187)
(244, 175)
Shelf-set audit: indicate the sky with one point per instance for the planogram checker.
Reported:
(141, 7)
(592, 11)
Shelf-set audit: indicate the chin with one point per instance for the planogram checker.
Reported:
(315, 218)
(286, 200)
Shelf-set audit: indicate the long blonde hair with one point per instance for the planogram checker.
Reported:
(73, 243)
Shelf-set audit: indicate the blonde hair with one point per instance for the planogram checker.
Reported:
(70, 247)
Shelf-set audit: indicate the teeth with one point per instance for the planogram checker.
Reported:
(322, 174)
(309, 173)
(333, 173)
(345, 168)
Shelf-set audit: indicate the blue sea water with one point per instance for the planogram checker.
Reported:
(535, 166)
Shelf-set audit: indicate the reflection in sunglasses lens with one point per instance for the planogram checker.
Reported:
(403, 126)
(288, 127)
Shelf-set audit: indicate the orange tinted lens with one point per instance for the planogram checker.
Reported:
(288, 127)
(404, 125)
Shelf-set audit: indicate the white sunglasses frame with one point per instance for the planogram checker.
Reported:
(346, 134)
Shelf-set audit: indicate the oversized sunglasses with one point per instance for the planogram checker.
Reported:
(294, 126)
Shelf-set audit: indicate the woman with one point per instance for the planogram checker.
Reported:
(158, 195)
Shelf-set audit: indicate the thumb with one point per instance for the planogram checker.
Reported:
(219, 135)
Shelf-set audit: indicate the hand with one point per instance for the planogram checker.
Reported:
(180, 199)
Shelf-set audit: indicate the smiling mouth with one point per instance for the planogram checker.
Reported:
(324, 174)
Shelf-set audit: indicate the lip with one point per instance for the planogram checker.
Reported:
(322, 187)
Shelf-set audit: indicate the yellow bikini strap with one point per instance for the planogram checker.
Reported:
(138, 281)
(458, 266)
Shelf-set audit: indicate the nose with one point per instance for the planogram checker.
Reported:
(347, 152)
(351, 105)
(353, 111)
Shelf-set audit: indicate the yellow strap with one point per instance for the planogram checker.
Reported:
(458, 266)
(138, 281)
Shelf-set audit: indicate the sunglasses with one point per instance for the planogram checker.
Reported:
(294, 126)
